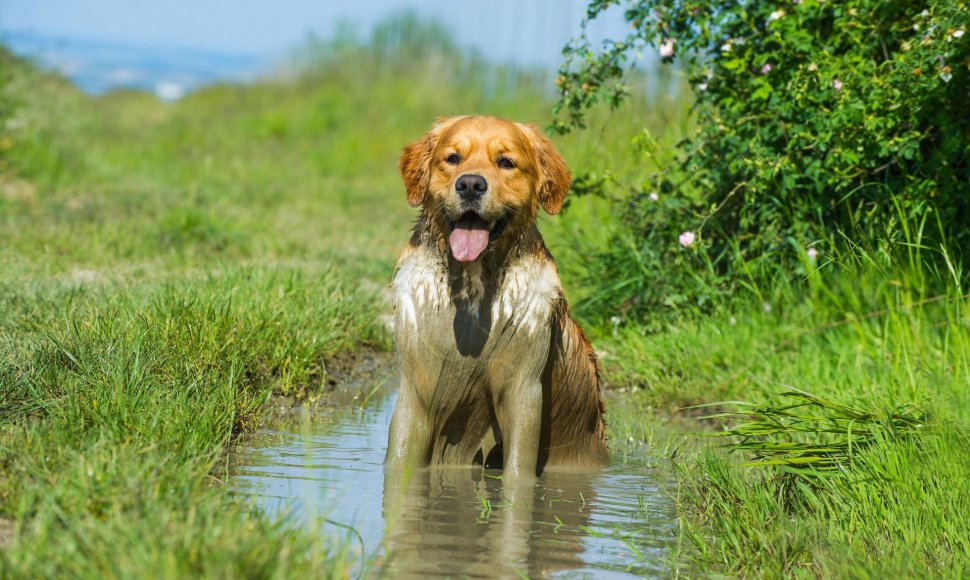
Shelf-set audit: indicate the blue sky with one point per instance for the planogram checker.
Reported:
(524, 31)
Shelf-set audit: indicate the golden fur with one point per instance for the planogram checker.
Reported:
(495, 371)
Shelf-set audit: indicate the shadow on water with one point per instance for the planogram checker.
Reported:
(453, 522)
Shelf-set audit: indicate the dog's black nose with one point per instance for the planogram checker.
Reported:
(471, 187)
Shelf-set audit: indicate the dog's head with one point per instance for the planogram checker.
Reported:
(481, 178)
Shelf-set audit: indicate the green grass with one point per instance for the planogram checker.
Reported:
(839, 413)
(117, 406)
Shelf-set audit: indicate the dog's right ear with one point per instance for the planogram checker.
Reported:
(415, 162)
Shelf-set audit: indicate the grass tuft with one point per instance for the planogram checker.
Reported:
(811, 436)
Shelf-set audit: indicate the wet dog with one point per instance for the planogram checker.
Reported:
(495, 371)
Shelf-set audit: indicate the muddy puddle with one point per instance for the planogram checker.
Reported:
(324, 467)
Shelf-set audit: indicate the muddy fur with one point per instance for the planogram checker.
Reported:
(495, 371)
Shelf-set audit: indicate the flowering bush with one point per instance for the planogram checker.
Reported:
(814, 117)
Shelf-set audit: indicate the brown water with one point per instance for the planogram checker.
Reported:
(455, 522)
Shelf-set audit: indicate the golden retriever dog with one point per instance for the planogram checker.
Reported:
(495, 371)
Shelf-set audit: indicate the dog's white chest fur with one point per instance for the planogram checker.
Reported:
(527, 294)
(420, 288)
(523, 297)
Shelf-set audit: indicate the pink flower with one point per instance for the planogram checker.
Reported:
(667, 48)
(837, 85)
(766, 69)
(687, 239)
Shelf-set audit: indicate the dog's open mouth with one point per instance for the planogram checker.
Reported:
(471, 234)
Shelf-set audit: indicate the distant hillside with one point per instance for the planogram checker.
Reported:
(99, 66)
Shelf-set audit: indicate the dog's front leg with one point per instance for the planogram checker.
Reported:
(520, 423)
(408, 440)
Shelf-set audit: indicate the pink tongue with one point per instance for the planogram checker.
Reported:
(469, 239)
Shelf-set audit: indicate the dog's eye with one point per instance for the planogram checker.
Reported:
(506, 163)
(453, 159)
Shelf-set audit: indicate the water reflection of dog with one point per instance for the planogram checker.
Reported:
(469, 522)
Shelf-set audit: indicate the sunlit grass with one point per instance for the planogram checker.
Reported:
(834, 418)
(775, 434)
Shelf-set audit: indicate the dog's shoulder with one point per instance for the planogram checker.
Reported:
(420, 282)
(529, 291)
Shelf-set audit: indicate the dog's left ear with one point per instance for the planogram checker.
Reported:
(415, 162)
(554, 177)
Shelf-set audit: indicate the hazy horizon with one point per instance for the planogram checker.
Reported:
(528, 33)
(174, 47)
